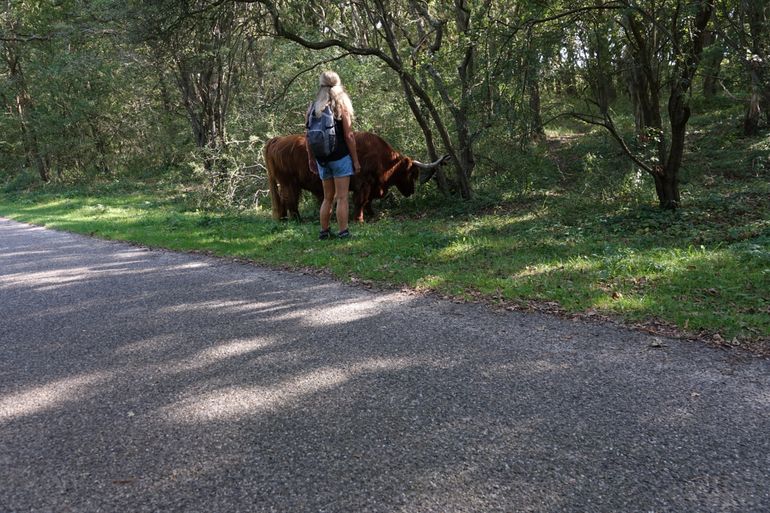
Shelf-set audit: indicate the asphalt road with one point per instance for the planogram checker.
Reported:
(140, 380)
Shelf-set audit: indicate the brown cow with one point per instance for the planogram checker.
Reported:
(288, 175)
(381, 167)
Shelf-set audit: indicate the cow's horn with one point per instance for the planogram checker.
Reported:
(430, 169)
(432, 165)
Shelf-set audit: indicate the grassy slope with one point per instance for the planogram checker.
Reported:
(560, 238)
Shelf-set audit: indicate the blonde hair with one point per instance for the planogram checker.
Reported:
(331, 92)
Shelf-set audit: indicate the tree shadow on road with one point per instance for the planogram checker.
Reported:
(143, 380)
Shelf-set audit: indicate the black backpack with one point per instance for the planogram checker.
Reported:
(322, 133)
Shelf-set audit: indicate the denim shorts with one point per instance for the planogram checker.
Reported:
(336, 169)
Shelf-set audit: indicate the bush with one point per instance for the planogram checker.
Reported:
(24, 180)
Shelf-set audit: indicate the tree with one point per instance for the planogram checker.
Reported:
(20, 103)
(64, 85)
(665, 42)
(713, 54)
(208, 48)
(747, 33)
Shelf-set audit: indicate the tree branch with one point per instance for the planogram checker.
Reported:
(288, 84)
(571, 12)
(607, 123)
(21, 38)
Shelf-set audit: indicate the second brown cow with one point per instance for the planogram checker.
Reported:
(381, 168)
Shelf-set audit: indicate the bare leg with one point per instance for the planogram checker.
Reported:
(326, 204)
(341, 186)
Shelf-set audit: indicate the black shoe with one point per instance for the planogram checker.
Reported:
(325, 234)
(344, 234)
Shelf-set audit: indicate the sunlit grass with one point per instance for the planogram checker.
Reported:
(634, 273)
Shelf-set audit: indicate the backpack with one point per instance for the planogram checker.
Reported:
(321, 133)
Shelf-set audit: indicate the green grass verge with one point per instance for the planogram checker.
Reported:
(705, 268)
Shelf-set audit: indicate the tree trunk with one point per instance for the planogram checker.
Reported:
(21, 109)
(754, 109)
(427, 134)
(644, 84)
(532, 85)
(759, 100)
(536, 120)
(712, 64)
(679, 103)
(467, 72)
(667, 190)
(601, 72)
(667, 183)
(201, 88)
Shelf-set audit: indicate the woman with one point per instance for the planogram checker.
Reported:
(336, 168)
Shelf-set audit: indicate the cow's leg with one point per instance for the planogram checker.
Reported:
(294, 206)
(360, 200)
(291, 202)
(279, 210)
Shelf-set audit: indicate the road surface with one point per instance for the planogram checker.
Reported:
(136, 380)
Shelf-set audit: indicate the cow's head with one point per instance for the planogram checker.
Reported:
(418, 171)
(426, 171)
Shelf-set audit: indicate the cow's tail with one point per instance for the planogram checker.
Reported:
(275, 196)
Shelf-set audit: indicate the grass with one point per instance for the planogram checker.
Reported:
(581, 237)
